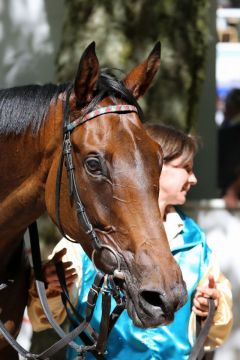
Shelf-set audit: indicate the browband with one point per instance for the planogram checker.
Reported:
(100, 111)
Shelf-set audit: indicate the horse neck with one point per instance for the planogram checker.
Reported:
(24, 175)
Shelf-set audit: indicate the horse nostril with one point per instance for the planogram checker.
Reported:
(152, 297)
(159, 300)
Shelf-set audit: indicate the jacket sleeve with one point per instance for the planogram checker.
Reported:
(35, 312)
(223, 318)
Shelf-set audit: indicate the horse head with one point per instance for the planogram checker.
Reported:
(116, 173)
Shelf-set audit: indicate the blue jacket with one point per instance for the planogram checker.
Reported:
(168, 342)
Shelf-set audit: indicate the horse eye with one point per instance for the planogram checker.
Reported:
(93, 165)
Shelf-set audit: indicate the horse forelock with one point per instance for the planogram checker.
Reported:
(110, 86)
(26, 105)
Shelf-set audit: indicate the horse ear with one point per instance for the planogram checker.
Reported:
(139, 79)
(87, 75)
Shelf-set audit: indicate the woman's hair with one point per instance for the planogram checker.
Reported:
(174, 142)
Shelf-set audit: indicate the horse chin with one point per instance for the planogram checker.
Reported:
(143, 320)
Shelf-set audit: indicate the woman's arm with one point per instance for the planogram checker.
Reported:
(69, 253)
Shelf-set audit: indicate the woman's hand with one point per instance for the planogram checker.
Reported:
(200, 301)
(50, 274)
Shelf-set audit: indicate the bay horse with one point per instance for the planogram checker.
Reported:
(117, 168)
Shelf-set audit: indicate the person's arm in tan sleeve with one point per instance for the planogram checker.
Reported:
(73, 274)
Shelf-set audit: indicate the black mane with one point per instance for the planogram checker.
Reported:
(25, 105)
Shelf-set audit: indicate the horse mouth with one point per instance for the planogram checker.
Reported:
(146, 313)
(143, 320)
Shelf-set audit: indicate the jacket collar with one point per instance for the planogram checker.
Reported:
(173, 225)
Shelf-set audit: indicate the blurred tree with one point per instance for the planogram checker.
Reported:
(126, 30)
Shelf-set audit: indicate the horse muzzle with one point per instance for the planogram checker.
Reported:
(150, 308)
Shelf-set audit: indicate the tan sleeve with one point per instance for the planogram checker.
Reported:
(223, 318)
(35, 311)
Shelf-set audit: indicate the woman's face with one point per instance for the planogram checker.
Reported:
(176, 179)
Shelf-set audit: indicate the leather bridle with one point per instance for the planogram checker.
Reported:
(107, 282)
(66, 157)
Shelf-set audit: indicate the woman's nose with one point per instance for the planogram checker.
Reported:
(192, 179)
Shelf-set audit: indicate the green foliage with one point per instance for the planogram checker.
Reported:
(125, 31)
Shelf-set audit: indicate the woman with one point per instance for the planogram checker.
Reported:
(189, 248)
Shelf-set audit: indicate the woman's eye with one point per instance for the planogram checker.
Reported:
(94, 166)
(188, 169)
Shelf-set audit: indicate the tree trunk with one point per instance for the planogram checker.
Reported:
(125, 31)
